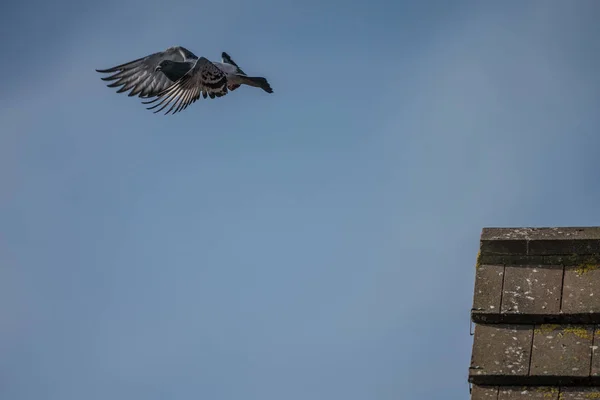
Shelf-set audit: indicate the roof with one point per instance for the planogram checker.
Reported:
(536, 307)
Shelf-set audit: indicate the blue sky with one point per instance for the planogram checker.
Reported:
(315, 243)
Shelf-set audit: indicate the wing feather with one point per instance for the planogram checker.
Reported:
(140, 76)
(204, 79)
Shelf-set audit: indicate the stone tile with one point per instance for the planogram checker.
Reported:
(565, 245)
(523, 393)
(488, 289)
(541, 241)
(581, 289)
(579, 393)
(533, 234)
(565, 259)
(484, 393)
(504, 246)
(530, 289)
(562, 350)
(501, 350)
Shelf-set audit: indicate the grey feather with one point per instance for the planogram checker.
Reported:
(204, 79)
(144, 76)
(228, 60)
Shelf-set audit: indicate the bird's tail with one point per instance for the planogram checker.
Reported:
(256, 81)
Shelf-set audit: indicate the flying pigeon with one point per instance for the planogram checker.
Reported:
(178, 76)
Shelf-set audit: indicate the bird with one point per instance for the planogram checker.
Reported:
(178, 77)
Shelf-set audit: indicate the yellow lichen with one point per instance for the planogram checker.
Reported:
(546, 328)
(547, 392)
(586, 267)
(579, 331)
(562, 330)
(478, 262)
(592, 395)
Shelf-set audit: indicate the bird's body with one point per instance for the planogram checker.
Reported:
(178, 76)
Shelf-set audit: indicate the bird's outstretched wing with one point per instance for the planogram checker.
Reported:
(204, 79)
(141, 77)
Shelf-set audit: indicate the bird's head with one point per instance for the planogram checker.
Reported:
(162, 65)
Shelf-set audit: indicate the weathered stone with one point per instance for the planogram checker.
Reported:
(579, 393)
(561, 259)
(566, 246)
(562, 350)
(501, 350)
(510, 259)
(528, 392)
(596, 353)
(547, 276)
(484, 393)
(501, 246)
(581, 289)
(570, 259)
(540, 241)
(488, 289)
(559, 318)
(554, 233)
(532, 289)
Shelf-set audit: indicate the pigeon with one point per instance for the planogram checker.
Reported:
(178, 77)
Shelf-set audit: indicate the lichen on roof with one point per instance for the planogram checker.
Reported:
(576, 330)
(478, 260)
(586, 267)
(548, 392)
(546, 328)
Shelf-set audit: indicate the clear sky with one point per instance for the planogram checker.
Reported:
(316, 243)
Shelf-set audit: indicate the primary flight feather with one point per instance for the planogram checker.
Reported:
(177, 77)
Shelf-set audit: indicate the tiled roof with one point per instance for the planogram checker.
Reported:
(536, 308)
